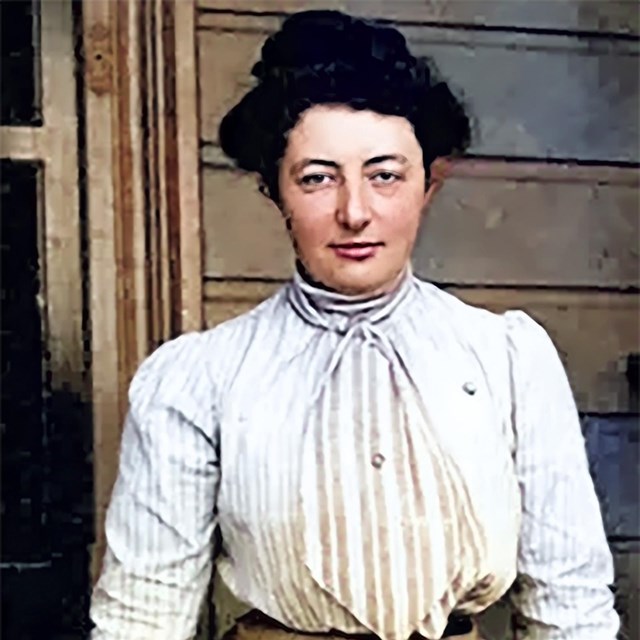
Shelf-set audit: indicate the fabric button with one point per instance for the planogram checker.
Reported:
(469, 388)
(377, 460)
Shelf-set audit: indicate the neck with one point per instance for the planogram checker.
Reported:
(323, 307)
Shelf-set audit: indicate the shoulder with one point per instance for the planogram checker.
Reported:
(526, 334)
(175, 377)
(516, 325)
(535, 360)
(195, 365)
(466, 320)
(237, 329)
(230, 340)
(509, 336)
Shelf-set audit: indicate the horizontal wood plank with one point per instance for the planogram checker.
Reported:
(611, 16)
(480, 230)
(587, 111)
(224, 65)
(25, 143)
(594, 332)
(534, 233)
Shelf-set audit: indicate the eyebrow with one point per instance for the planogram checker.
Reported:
(392, 156)
(334, 165)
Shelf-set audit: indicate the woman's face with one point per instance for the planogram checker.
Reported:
(352, 184)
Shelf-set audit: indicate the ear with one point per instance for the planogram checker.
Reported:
(285, 215)
(430, 193)
(440, 170)
(264, 189)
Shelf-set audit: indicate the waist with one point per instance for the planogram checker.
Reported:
(255, 625)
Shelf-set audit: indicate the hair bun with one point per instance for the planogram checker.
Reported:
(317, 39)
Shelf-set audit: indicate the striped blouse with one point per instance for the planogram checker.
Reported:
(213, 443)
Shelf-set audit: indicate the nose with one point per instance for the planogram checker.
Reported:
(353, 211)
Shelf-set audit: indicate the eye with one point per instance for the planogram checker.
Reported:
(315, 179)
(385, 177)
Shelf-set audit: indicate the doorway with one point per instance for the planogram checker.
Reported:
(45, 422)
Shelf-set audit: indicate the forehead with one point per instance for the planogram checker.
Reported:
(342, 132)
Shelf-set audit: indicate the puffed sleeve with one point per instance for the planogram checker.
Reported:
(161, 517)
(564, 562)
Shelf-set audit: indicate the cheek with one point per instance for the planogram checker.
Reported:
(311, 218)
(401, 217)
(309, 231)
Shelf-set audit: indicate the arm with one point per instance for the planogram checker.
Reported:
(160, 520)
(564, 562)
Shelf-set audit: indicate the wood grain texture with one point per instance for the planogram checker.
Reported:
(606, 322)
(224, 64)
(106, 402)
(160, 217)
(143, 202)
(530, 96)
(128, 203)
(24, 143)
(612, 16)
(188, 167)
(62, 269)
(492, 231)
(480, 230)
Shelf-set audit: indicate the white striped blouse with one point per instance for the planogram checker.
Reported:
(214, 440)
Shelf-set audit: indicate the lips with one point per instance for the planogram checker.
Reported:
(356, 250)
(352, 245)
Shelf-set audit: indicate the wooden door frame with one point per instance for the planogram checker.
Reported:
(54, 146)
(143, 203)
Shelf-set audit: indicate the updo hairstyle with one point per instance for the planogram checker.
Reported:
(328, 57)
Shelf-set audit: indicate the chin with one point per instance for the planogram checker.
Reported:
(356, 278)
(358, 285)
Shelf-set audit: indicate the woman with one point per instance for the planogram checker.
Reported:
(377, 456)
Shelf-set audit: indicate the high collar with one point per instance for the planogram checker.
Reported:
(336, 311)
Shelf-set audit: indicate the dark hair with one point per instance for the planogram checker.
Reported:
(328, 57)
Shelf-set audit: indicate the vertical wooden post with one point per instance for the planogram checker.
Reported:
(143, 203)
(188, 169)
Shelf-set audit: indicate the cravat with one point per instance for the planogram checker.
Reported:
(390, 526)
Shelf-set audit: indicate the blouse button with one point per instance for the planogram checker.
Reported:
(469, 388)
(377, 460)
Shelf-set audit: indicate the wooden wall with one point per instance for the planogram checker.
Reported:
(141, 196)
(542, 216)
